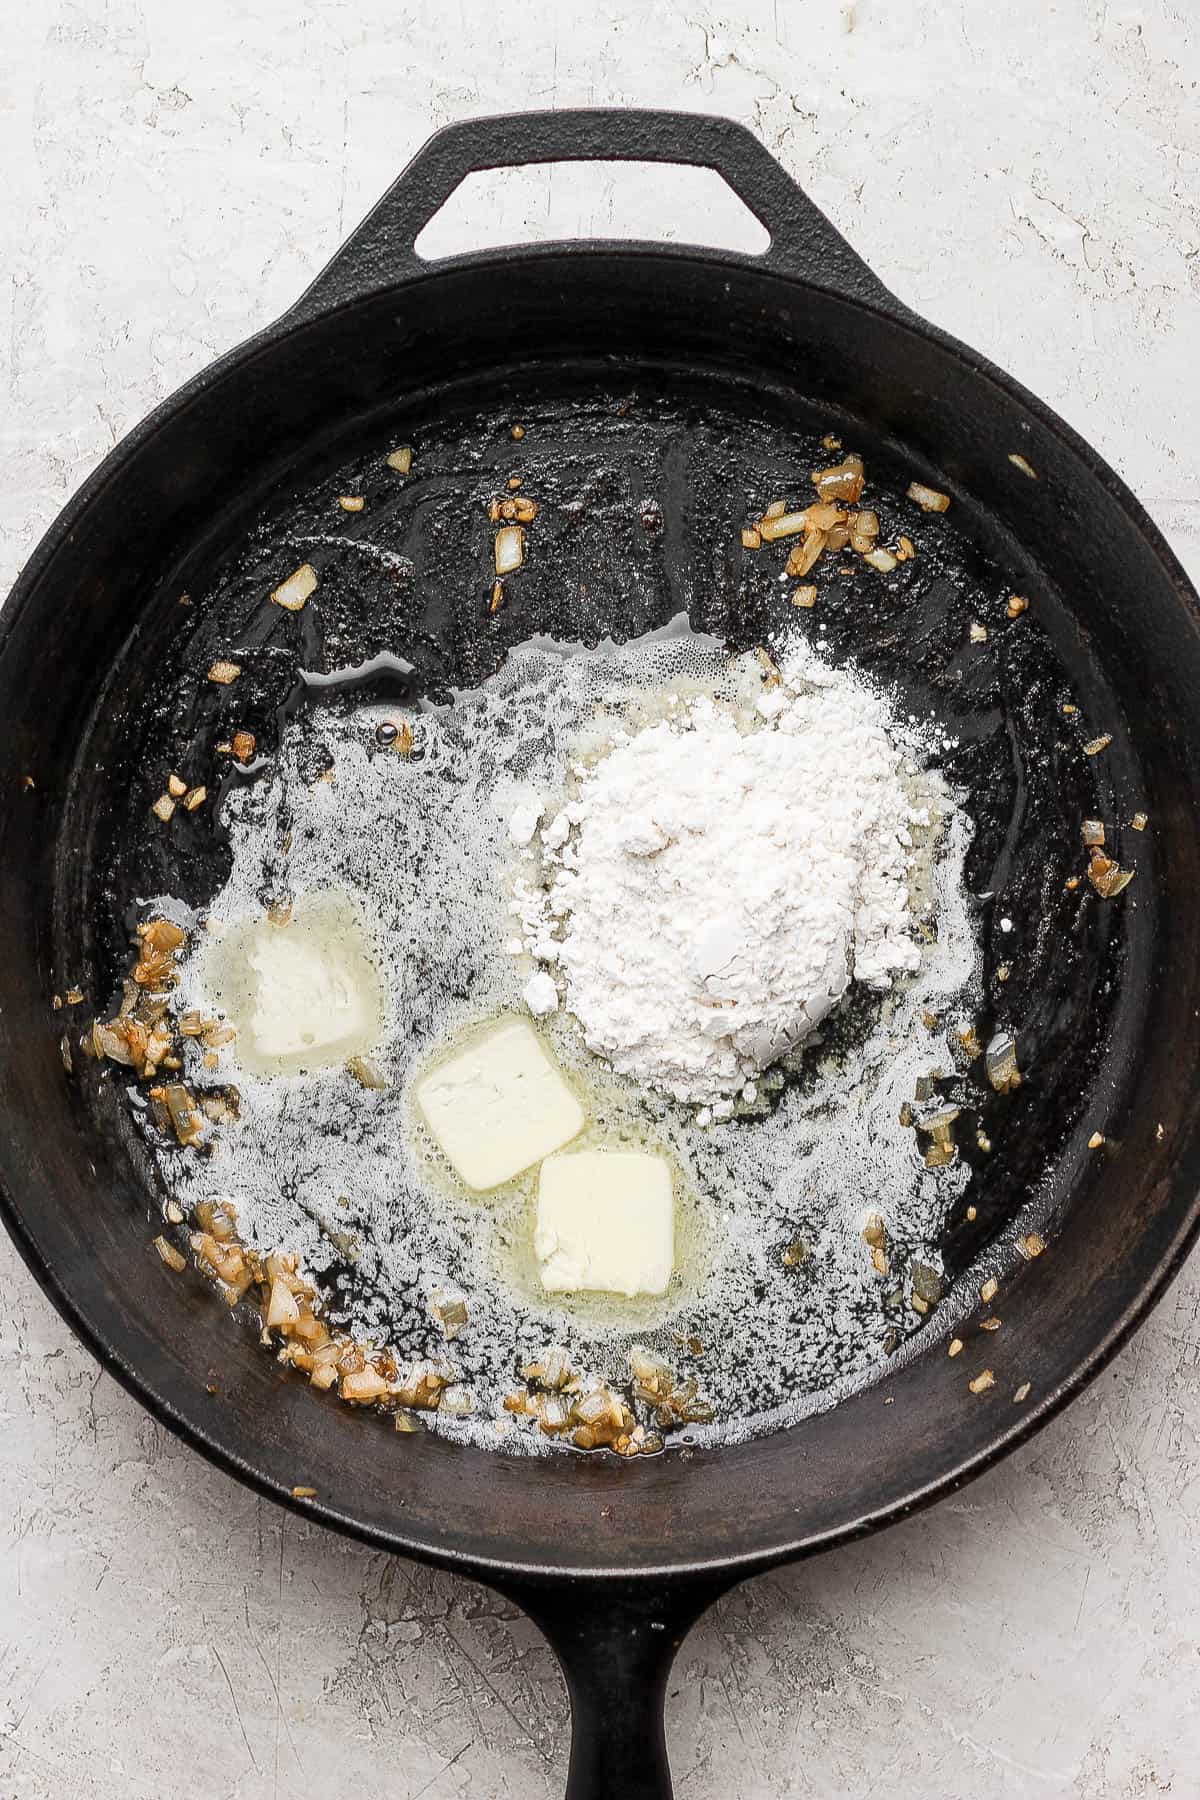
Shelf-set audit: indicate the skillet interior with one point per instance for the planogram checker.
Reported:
(97, 620)
(644, 476)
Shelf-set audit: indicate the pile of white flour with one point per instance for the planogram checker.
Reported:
(711, 890)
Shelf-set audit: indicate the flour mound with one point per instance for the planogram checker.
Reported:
(712, 891)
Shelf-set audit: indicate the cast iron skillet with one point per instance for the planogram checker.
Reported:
(614, 1561)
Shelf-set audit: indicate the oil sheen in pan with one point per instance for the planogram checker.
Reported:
(642, 498)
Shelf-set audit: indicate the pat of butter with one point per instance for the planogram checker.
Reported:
(499, 1105)
(311, 1004)
(302, 996)
(605, 1221)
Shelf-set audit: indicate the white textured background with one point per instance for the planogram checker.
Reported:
(1027, 174)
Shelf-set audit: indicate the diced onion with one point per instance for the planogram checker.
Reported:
(593, 1407)
(170, 1255)
(650, 1370)
(556, 1414)
(824, 516)
(1001, 1060)
(162, 934)
(458, 1401)
(782, 525)
(844, 481)
(281, 1307)
(367, 1071)
(362, 1386)
(805, 555)
(300, 585)
(186, 1119)
(1107, 876)
(510, 549)
(927, 498)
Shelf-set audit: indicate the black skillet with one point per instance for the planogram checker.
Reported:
(615, 1561)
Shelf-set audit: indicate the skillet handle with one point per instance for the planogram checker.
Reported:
(803, 242)
(616, 1644)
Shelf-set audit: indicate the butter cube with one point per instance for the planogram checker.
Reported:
(302, 996)
(605, 1221)
(311, 1003)
(499, 1105)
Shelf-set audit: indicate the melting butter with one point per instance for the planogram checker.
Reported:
(499, 1104)
(303, 995)
(605, 1223)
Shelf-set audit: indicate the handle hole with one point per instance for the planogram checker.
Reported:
(660, 202)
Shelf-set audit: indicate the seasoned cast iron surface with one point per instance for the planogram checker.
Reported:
(644, 480)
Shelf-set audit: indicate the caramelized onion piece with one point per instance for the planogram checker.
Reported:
(170, 1255)
(842, 481)
(805, 555)
(299, 587)
(1108, 877)
(927, 498)
(509, 549)
(186, 1118)
(788, 524)
(368, 1072)
(1001, 1061)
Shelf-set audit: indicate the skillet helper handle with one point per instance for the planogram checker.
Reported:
(803, 242)
(616, 1645)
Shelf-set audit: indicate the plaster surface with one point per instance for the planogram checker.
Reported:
(1028, 175)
